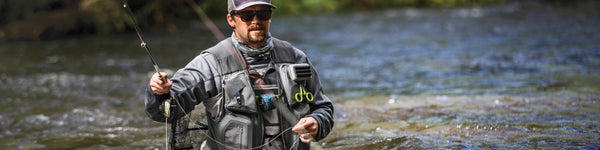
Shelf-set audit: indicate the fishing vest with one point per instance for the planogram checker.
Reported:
(237, 121)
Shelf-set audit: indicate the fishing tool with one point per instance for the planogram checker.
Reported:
(303, 93)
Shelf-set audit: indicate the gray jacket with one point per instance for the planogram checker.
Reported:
(200, 81)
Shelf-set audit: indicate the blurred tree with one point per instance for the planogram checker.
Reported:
(105, 16)
(34, 19)
(30, 19)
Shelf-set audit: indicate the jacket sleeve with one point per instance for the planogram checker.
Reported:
(321, 107)
(191, 85)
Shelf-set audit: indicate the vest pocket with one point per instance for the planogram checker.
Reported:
(236, 131)
(298, 99)
(297, 96)
(239, 96)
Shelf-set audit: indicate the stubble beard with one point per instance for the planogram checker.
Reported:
(256, 38)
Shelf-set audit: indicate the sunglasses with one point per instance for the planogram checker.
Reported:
(248, 16)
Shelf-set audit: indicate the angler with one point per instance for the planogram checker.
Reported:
(259, 92)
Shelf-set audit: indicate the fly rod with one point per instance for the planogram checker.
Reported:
(143, 44)
(167, 104)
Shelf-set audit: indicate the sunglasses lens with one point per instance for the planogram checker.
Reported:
(247, 16)
(263, 15)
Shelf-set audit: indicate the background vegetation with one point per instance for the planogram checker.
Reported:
(45, 19)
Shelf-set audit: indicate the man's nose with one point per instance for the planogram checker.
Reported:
(255, 19)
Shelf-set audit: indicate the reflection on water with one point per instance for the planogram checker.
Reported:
(510, 76)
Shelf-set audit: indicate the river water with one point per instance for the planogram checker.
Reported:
(515, 75)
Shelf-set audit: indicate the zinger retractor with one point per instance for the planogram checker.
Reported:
(167, 108)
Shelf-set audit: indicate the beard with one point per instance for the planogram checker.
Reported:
(256, 38)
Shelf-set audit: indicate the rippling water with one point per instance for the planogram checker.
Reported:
(510, 76)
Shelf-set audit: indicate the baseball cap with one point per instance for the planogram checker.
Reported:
(241, 4)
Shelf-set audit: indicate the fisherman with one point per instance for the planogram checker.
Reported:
(258, 91)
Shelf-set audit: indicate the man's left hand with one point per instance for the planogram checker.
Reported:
(307, 128)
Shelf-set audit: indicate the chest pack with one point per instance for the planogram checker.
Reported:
(238, 121)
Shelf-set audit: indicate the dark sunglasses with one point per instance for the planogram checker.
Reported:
(248, 16)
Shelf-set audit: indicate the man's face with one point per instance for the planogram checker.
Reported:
(251, 31)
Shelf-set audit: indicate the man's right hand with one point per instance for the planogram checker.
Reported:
(158, 86)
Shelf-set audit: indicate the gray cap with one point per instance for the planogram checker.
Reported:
(241, 4)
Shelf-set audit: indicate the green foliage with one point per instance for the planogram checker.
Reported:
(12, 10)
(27, 19)
(106, 16)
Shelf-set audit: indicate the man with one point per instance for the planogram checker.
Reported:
(255, 88)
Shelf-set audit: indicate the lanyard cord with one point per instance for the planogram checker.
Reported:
(166, 134)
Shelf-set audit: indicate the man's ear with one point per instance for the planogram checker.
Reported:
(231, 20)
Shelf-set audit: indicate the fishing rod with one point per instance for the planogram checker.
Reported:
(143, 44)
(167, 103)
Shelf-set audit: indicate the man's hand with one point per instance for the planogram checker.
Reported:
(158, 86)
(307, 128)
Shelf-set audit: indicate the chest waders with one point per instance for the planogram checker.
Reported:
(235, 118)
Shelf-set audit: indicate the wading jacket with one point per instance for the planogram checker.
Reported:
(234, 117)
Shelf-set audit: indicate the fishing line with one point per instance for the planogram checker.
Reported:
(166, 134)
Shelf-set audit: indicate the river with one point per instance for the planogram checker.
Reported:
(514, 75)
